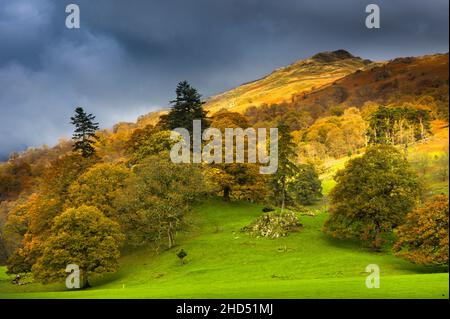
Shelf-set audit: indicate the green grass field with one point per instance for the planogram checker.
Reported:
(222, 262)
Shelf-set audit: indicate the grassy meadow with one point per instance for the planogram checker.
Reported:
(223, 262)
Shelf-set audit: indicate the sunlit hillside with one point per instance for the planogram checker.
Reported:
(398, 80)
(301, 76)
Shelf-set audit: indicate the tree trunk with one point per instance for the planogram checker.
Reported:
(226, 193)
(401, 131)
(170, 235)
(376, 244)
(422, 130)
(84, 280)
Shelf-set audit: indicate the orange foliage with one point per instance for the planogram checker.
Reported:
(423, 238)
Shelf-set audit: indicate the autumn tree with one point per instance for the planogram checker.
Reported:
(398, 125)
(62, 172)
(15, 177)
(148, 141)
(270, 115)
(186, 107)
(423, 237)
(82, 236)
(98, 187)
(334, 135)
(234, 180)
(157, 196)
(31, 218)
(32, 221)
(372, 196)
(84, 135)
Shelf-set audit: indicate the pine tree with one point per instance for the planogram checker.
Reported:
(185, 108)
(286, 166)
(84, 134)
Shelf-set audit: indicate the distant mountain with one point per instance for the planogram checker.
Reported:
(396, 81)
(335, 79)
(300, 77)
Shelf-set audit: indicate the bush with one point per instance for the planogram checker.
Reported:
(423, 238)
(273, 225)
(181, 255)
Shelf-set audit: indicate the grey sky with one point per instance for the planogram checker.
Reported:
(128, 56)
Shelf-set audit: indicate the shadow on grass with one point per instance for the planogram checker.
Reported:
(345, 243)
(386, 250)
(421, 269)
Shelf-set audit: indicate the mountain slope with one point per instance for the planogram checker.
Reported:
(399, 80)
(301, 76)
(330, 79)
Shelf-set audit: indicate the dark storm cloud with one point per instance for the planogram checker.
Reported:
(128, 55)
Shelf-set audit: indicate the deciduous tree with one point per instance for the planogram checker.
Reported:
(98, 187)
(148, 141)
(372, 196)
(81, 236)
(305, 187)
(157, 196)
(423, 238)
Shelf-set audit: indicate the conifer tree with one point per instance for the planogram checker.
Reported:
(185, 108)
(84, 134)
(286, 166)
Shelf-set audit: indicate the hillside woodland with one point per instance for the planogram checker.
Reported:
(366, 142)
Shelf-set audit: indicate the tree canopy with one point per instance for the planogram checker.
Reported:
(423, 238)
(81, 236)
(186, 107)
(372, 196)
(84, 134)
(155, 199)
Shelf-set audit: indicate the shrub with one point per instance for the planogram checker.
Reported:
(181, 254)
